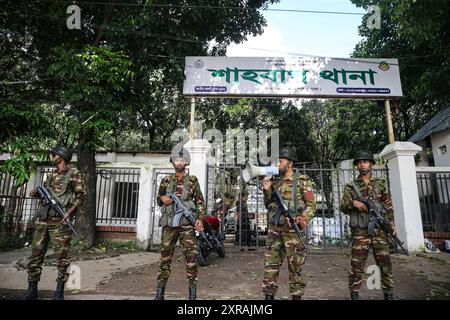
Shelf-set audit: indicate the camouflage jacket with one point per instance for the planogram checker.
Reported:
(193, 197)
(68, 186)
(305, 204)
(376, 190)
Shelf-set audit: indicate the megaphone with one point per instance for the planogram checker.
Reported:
(250, 171)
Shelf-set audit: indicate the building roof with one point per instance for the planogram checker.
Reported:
(439, 122)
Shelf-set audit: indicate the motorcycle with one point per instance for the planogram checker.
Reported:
(214, 229)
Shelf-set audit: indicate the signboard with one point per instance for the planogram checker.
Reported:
(307, 77)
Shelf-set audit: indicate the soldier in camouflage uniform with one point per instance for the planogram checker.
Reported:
(67, 186)
(376, 190)
(282, 241)
(187, 188)
(243, 235)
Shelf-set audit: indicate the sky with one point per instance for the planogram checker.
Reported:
(297, 33)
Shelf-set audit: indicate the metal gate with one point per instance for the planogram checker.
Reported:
(245, 213)
(16, 213)
(328, 228)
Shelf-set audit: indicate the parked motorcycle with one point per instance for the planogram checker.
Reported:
(214, 229)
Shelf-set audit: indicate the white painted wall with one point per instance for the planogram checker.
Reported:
(439, 139)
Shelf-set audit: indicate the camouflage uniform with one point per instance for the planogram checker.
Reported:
(282, 240)
(188, 190)
(68, 186)
(242, 219)
(361, 241)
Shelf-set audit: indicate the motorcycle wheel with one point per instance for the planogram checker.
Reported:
(202, 256)
(221, 251)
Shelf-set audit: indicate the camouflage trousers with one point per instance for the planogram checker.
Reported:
(281, 244)
(60, 236)
(361, 244)
(188, 241)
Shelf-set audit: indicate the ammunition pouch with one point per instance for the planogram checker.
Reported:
(359, 219)
(63, 198)
(168, 214)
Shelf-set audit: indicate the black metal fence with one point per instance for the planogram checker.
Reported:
(434, 194)
(245, 219)
(328, 228)
(16, 213)
(117, 203)
(117, 196)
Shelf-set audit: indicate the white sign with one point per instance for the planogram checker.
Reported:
(292, 77)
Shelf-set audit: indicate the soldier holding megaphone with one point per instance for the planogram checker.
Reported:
(282, 241)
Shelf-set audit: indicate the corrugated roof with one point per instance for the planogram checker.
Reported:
(439, 122)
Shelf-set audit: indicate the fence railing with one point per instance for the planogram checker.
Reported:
(329, 227)
(16, 213)
(117, 203)
(433, 185)
(117, 196)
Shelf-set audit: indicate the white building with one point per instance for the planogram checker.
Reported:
(434, 137)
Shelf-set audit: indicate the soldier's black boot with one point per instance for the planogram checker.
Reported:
(160, 293)
(296, 297)
(270, 296)
(192, 293)
(388, 296)
(59, 292)
(354, 295)
(32, 292)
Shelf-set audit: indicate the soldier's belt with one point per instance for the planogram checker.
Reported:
(281, 228)
(49, 221)
(183, 227)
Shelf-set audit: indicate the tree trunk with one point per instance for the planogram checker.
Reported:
(85, 221)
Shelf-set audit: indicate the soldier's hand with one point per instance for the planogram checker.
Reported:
(33, 193)
(166, 200)
(67, 216)
(266, 183)
(301, 220)
(360, 206)
(394, 229)
(199, 225)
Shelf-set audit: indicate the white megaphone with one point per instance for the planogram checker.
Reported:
(250, 171)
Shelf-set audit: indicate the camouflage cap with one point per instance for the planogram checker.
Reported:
(63, 152)
(288, 153)
(363, 155)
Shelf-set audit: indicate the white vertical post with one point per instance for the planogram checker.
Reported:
(405, 196)
(143, 223)
(198, 150)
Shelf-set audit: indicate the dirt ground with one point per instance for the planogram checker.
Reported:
(239, 276)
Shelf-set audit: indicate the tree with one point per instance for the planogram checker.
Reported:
(416, 32)
(72, 70)
(91, 81)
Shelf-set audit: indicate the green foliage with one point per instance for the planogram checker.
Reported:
(92, 80)
(415, 32)
(22, 164)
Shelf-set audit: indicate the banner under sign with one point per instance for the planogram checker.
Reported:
(292, 77)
